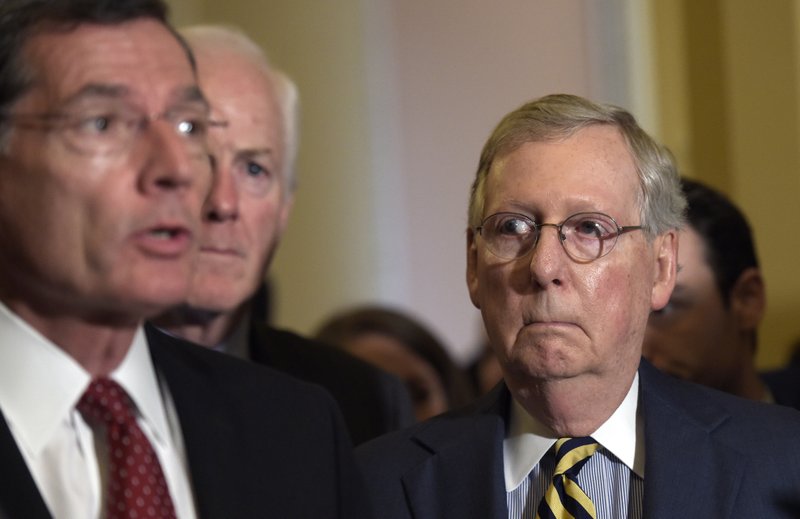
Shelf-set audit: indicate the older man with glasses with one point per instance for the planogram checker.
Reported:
(572, 242)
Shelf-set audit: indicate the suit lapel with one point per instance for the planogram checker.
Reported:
(463, 477)
(19, 497)
(687, 472)
(209, 439)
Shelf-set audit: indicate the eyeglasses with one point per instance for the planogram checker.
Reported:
(109, 130)
(584, 236)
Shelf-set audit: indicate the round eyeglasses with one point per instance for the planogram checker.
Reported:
(584, 236)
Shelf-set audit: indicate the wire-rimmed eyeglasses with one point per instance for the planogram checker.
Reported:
(110, 130)
(584, 236)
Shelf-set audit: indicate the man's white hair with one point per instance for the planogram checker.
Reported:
(288, 98)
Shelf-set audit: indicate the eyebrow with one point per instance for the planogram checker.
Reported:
(254, 152)
(191, 94)
(98, 90)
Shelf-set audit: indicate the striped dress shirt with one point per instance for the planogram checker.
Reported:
(613, 477)
(615, 491)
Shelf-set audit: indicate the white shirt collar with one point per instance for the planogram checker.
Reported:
(138, 376)
(528, 440)
(40, 384)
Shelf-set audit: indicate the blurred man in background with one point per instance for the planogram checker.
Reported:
(708, 331)
(253, 148)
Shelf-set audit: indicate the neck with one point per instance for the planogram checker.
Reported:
(748, 383)
(571, 407)
(202, 327)
(98, 345)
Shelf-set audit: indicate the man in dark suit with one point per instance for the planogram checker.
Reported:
(253, 149)
(572, 242)
(103, 171)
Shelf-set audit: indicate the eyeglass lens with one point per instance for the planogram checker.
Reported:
(584, 236)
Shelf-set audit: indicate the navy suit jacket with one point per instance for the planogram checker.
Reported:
(784, 384)
(708, 454)
(258, 443)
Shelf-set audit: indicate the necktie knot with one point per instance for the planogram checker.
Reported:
(564, 498)
(106, 402)
(573, 453)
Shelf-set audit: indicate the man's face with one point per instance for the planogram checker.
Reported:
(249, 204)
(106, 235)
(695, 336)
(548, 317)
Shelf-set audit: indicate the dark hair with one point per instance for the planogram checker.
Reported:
(728, 240)
(22, 19)
(413, 335)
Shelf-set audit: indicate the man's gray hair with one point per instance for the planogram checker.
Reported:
(661, 201)
(288, 98)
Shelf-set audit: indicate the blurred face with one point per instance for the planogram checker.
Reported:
(548, 317)
(249, 204)
(423, 383)
(695, 336)
(105, 233)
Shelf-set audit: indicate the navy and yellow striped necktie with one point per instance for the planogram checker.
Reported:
(564, 499)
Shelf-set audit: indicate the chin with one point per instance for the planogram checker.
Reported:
(155, 303)
(545, 361)
(216, 301)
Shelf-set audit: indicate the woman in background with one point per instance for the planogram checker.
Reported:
(400, 345)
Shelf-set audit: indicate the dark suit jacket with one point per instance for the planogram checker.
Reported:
(372, 401)
(258, 443)
(784, 384)
(708, 454)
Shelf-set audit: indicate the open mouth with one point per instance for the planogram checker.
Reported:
(165, 240)
(167, 233)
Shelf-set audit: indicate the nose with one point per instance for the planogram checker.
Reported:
(547, 260)
(173, 164)
(222, 203)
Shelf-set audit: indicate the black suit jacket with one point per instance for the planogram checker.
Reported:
(372, 401)
(258, 443)
(708, 454)
(784, 384)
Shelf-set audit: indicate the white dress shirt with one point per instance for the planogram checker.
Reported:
(528, 441)
(40, 385)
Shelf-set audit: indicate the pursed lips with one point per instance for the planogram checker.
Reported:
(548, 323)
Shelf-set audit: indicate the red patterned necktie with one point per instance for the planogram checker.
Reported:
(136, 486)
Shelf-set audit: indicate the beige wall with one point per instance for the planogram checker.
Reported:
(398, 96)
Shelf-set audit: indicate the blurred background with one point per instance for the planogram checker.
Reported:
(398, 97)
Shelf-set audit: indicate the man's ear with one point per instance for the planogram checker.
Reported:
(666, 268)
(472, 268)
(748, 299)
